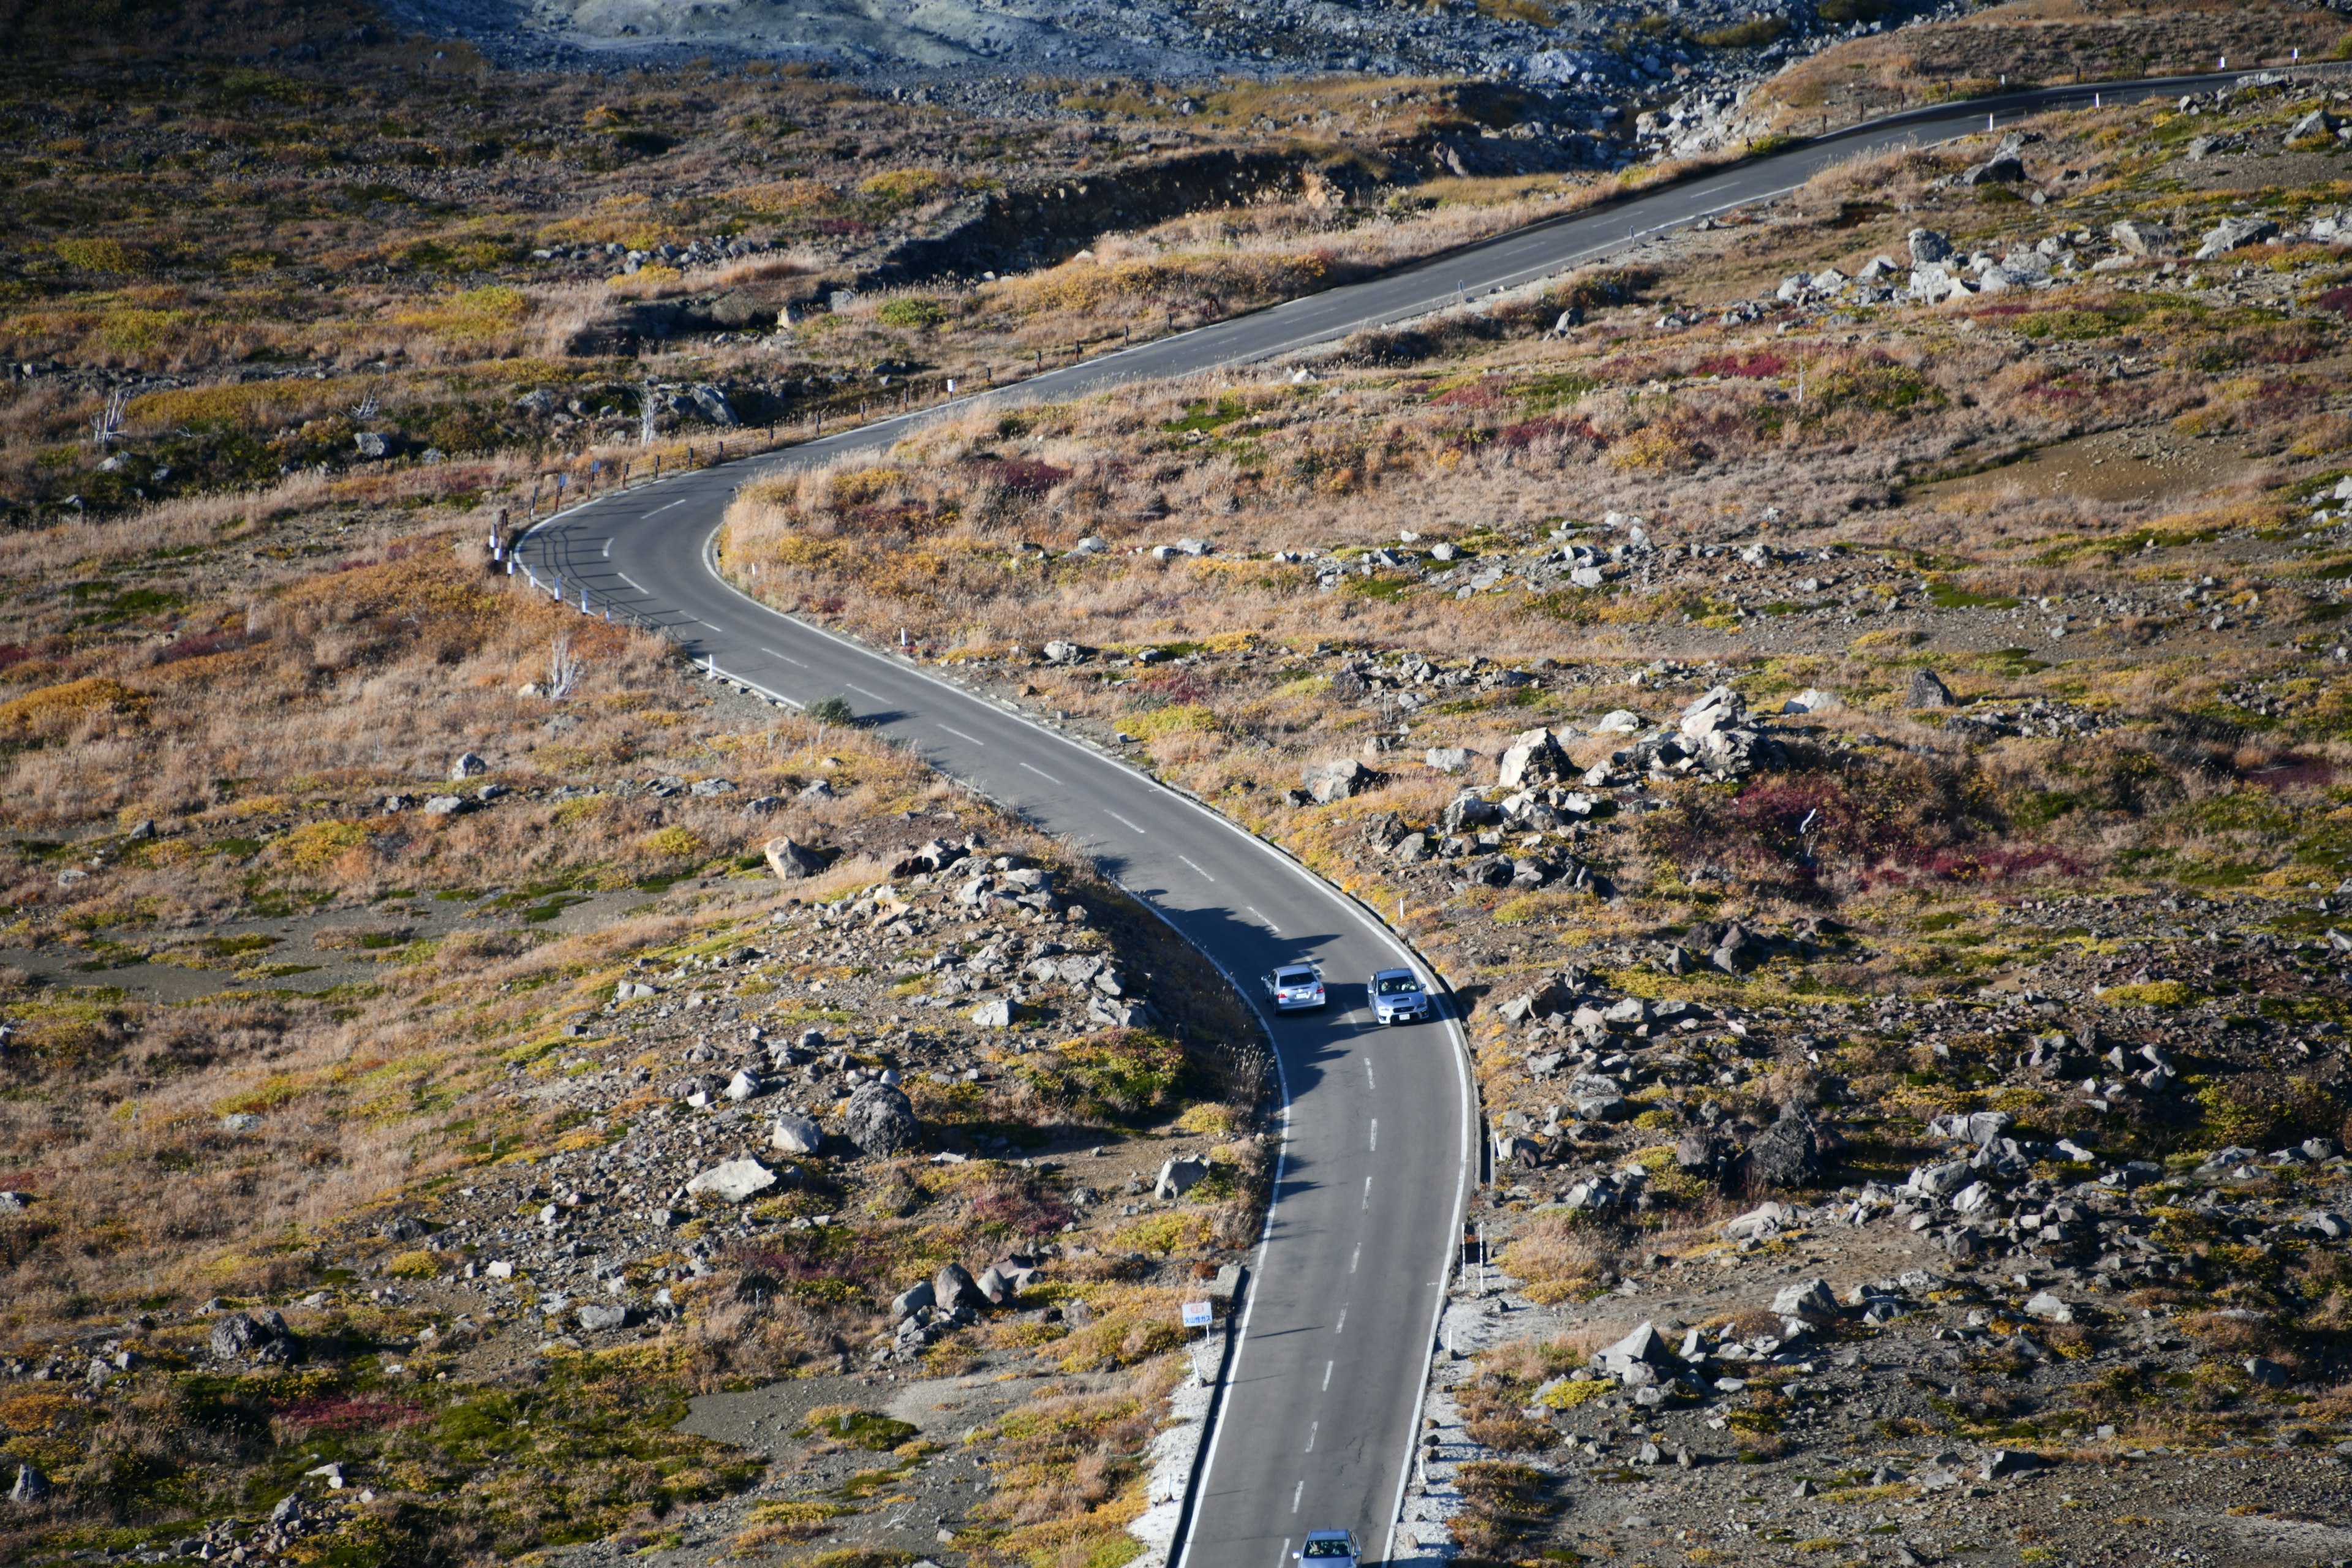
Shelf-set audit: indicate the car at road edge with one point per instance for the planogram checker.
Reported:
(1292, 986)
(1397, 994)
(1329, 1549)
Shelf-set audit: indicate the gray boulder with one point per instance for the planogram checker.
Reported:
(1469, 811)
(603, 1317)
(912, 1300)
(1786, 1155)
(880, 1119)
(712, 404)
(241, 1335)
(2005, 170)
(373, 445)
(1333, 781)
(1927, 247)
(954, 1287)
(1636, 1357)
(1534, 757)
(796, 1135)
(732, 1180)
(2142, 237)
(467, 765)
(1927, 690)
(790, 862)
(1811, 1299)
(31, 1485)
(2049, 1308)
(2231, 232)
(1180, 1176)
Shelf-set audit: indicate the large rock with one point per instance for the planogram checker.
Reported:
(1721, 709)
(996, 1014)
(880, 1119)
(1333, 781)
(240, 1335)
(1698, 1151)
(795, 1134)
(603, 1317)
(1469, 811)
(31, 1485)
(712, 404)
(1178, 1177)
(2006, 170)
(732, 1180)
(2142, 237)
(1534, 757)
(1927, 690)
(1786, 1155)
(1644, 1348)
(2233, 232)
(911, 1301)
(792, 861)
(2049, 1308)
(1811, 1299)
(1928, 248)
(2318, 122)
(468, 766)
(954, 1287)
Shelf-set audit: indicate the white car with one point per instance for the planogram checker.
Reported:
(1329, 1549)
(1295, 986)
(1397, 994)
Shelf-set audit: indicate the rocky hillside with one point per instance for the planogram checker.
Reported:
(443, 1042)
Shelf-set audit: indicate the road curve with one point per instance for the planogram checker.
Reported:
(1315, 1426)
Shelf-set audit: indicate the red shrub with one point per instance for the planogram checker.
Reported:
(351, 1412)
(1025, 475)
(1761, 365)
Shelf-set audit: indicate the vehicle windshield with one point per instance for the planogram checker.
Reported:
(1294, 977)
(1398, 985)
(1328, 1549)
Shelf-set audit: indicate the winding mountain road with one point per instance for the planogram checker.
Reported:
(1315, 1426)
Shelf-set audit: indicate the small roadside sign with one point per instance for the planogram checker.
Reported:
(1196, 1314)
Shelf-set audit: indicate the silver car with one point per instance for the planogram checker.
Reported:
(1293, 986)
(1397, 994)
(1329, 1549)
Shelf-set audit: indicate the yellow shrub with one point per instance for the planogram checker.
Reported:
(318, 845)
(904, 185)
(677, 842)
(421, 1264)
(473, 316)
(2149, 993)
(131, 331)
(52, 707)
(1569, 1396)
(1178, 717)
(1654, 448)
(862, 486)
(98, 256)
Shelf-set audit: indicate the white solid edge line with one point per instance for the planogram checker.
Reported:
(1188, 1515)
(1355, 908)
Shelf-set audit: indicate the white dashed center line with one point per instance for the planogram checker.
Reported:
(1124, 822)
(960, 735)
(1042, 774)
(1195, 865)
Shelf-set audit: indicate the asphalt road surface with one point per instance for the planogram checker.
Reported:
(1315, 1427)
